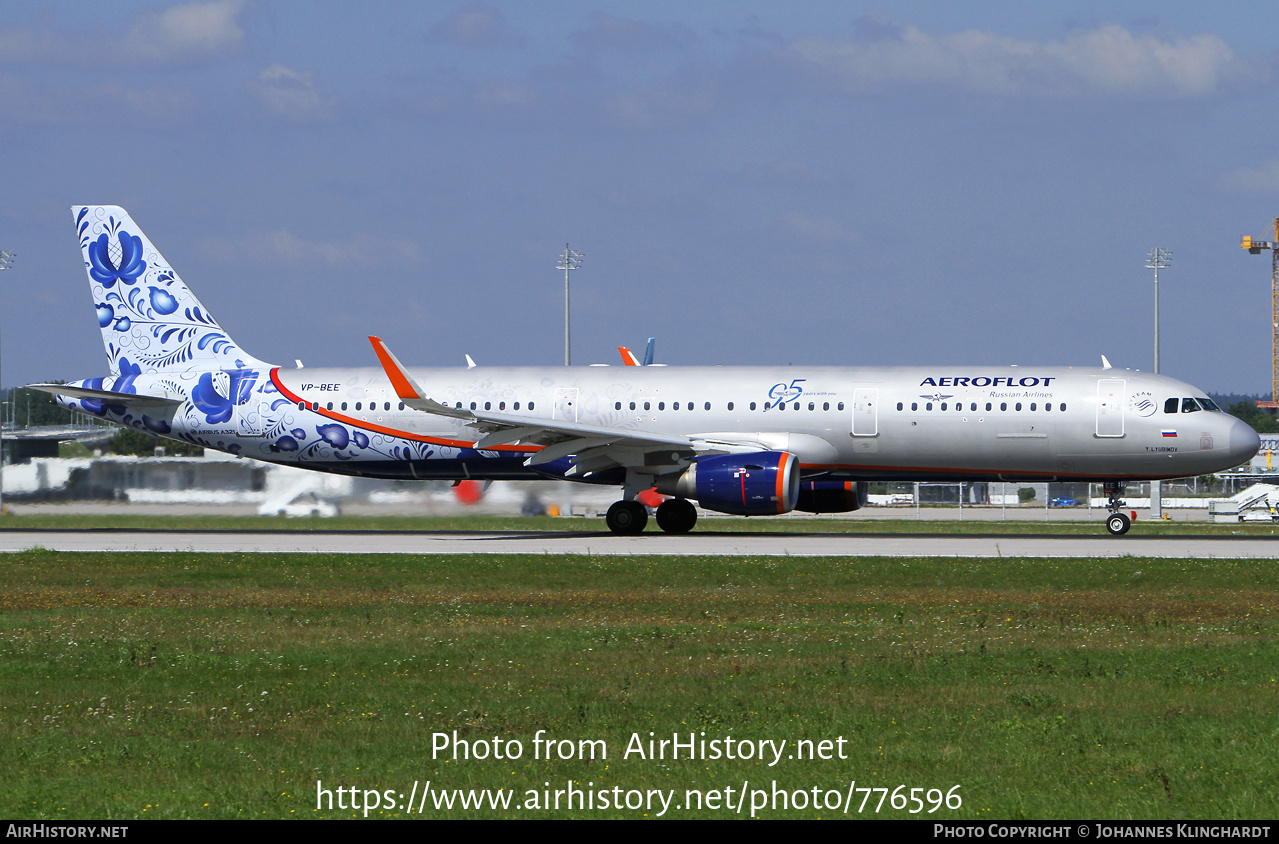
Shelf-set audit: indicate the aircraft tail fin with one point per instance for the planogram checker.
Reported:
(150, 319)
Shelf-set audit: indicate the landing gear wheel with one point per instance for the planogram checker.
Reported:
(1118, 524)
(676, 515)
(626, 517)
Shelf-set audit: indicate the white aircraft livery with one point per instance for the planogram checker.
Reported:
(742, 440)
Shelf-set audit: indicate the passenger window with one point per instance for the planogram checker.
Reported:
(647, 405)
(329, 406)
(1170, 406)
(1048, 406)
(472, 405)
(914, 405)
(752, 405)
(357, 405)
(988, 406)
(315, 405)
(1018, 406)
(517, 406)
(632, 405)
(1032, 405)
(501, 405)
(1189, 405)
(344, 405)
(781, 405)
(530, 405)
(812, 406)
(840, 405)
(616, 406)
(675, 406)
(402, 405)
(899, 406)
(928, 406)
(826, 405)
(661, 405)
(301, 405)
(1063, 408)
(943, 405)
(488, 405)
(730, 405)
(1003, 405)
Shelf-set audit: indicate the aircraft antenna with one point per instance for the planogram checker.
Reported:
(1255, 247)
(6, 261)
(569, 260)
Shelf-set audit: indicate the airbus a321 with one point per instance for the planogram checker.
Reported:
(742, 440)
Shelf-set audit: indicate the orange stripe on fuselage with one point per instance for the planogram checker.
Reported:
(394, 432)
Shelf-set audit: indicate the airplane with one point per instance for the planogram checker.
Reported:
(739, 440)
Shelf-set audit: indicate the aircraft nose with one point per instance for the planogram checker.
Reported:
(1244, 442)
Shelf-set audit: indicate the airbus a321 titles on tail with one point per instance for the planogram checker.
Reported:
(743, 440)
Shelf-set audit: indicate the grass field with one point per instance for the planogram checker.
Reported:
(150, 685)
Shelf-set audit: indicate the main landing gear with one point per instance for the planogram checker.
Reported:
(1117, 523)
(675, 515)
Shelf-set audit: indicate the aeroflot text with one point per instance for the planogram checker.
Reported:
(983, 381)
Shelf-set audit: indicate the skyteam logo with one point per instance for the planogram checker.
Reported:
(1142, 404)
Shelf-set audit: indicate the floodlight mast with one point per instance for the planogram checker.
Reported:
(1157, 259)
(6, 261)
(1255, 247)
(569, 260)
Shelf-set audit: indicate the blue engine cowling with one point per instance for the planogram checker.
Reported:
(831, 496)
(759, 484)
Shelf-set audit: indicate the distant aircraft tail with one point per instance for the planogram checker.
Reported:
(150, 320)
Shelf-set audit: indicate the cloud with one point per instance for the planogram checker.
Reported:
(819, 229)
(686, 96)
(609, 32)
(475, 25)
(28, 103)
(1105, 61)
(184, 34)
(291, 94)
(356, 252)
(1262, 180)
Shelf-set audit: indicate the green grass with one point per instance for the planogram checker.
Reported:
(202, 685)
(784, 524)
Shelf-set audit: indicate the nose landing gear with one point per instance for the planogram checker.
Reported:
(1117, 523)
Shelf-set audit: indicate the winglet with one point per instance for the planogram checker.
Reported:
(648, 352)
(628, 357)
(1105, 364)
(405, 386)
(407, 389)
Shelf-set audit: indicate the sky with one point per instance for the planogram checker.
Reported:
(833, 183)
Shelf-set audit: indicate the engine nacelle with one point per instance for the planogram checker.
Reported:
(831, 496)
(759, 484)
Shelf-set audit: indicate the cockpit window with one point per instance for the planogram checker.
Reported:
(1170, 406)
(1189, 406)
(1209, 404)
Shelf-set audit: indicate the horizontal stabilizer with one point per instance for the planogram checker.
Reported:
(130, 399)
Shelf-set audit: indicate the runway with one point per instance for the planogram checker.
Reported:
(703, 543)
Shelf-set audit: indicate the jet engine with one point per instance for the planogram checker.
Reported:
(758, 484)
(831, 496)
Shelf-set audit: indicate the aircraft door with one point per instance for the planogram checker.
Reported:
(251, 417)
(865, 412)
(565, 409)
(1110, 407)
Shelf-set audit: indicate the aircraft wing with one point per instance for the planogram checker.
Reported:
(594, 448)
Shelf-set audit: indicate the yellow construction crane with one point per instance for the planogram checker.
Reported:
(1255, 247)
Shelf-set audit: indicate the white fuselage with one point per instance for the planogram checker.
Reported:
(900, 423)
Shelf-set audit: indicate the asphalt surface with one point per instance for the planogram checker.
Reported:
(699, 542)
